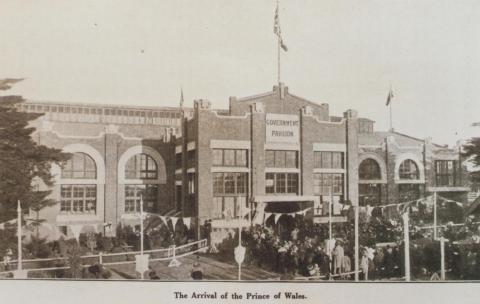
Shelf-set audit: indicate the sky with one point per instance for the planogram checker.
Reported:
(345, 53)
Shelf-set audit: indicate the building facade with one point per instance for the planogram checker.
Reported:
(279, 153)
(119, 155)
(273, 152)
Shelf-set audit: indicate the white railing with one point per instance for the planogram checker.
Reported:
(126, 257)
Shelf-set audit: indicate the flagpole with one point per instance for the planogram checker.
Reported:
(391, 123)
(278, 47)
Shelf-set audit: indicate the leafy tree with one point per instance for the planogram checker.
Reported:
(22, 160)
(471, 151)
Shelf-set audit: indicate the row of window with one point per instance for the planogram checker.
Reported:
(82, 199)
(276, 159)
(225, 184)
(96, 111)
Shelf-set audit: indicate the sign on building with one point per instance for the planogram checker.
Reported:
(282, 128)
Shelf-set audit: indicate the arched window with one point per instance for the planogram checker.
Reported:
(141, 166)
(409, 170)
(369, 170)
(78, 198)
(79, 166)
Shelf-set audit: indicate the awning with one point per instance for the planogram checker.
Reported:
(284, 198)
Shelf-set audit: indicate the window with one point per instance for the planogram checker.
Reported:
(281, 183)
(78, 198)
(369, 170)
(323, 183)
(191, 183)
(79, 166)
(135, 193)
(369, 194)
(229, 158)
(178, 160)
(328, 160)
(229, 206)
(191, 158)
(445, 172)
(408, 170)
(225, 184)
(141, 166)
(281, 159)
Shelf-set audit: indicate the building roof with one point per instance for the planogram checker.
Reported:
(378, 138)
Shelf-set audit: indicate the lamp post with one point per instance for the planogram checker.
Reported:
(435, 215)
(141, 260)
(406, 237)
(357, 247)
(330, 227)
(239, 251)
(19, 236)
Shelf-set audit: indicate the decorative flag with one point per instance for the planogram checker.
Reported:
(277, 31)
(187, 221)
(389, 97)
(164, 220)
(369, 210)
(174, 221)
(277, 217)
(76, 229)
(267, 215)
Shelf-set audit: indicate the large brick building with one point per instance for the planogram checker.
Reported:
(119, 153)
(274, 152)
(277, 152)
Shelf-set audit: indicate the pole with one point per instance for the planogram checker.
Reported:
(357, 247)
(141, 233)
(330, 229)
(407, 246)
(240, 240)
(391, 123)
(278, 47)
(435, 215)
(19, 236)
(442, 257)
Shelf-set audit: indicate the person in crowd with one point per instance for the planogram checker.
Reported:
(338, 254)
(197, 271)
(364, 264)
(346, 266)
(388, 262)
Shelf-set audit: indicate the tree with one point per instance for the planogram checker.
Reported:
(471, 151)
(22, 160)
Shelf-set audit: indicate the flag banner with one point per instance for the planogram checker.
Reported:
(389, 97)
(369, 210)
(174, 221)
(164, 220)
(277, 217)
(277, 31)
(76, 229)
(187, 221)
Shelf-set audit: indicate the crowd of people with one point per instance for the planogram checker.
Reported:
(304, 250)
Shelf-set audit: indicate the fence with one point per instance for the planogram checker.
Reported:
(126, 257)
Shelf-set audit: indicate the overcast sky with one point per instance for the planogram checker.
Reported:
(345, 53)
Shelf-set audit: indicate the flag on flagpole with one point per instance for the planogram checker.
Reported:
(277, 31)
(389, 97)
(181, 97)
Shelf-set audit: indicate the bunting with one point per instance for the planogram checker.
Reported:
(187, 221)
(76, 229)
(174, 221)
(277, 217)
